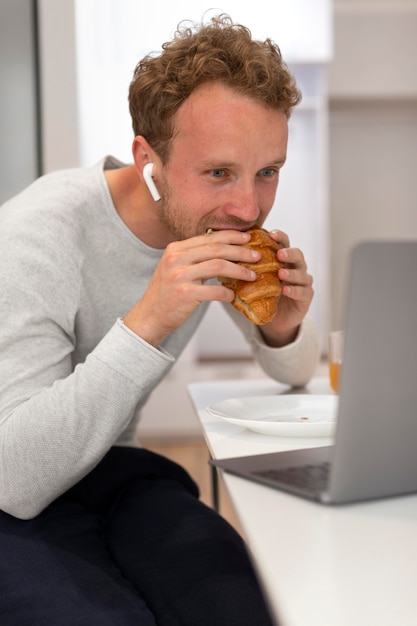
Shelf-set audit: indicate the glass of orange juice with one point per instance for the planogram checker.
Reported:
(336, 343)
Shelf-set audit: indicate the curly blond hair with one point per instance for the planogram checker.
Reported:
(216, 51)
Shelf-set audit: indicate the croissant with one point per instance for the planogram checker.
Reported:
(258, 300)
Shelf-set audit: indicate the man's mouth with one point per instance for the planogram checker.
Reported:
(241, 230)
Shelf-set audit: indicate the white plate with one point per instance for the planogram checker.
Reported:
(283, 416)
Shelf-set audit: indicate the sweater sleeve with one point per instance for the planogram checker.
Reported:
(56, 420)
(55, 435)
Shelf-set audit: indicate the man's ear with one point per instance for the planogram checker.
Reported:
(142, 152)
(143, 156)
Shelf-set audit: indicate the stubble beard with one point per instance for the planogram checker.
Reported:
(173, 218)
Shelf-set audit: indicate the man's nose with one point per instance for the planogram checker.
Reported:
(243, 202)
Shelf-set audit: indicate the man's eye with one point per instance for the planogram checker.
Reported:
(267, 171)
(218, 173)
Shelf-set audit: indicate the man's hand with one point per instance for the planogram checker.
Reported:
(178, 287)
(297, 294)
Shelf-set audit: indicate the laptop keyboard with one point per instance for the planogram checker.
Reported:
(310, 476)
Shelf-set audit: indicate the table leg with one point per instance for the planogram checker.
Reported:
(215, 488)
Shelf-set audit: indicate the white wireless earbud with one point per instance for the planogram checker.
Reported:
(149, 181)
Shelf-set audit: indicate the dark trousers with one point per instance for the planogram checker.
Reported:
(129, 544)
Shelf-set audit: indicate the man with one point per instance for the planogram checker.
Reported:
(105, 274)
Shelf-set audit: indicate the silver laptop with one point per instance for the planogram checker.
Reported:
(375, 448)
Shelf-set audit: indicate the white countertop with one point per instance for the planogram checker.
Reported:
(350, 565)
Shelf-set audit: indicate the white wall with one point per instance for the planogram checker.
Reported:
(373, 130)
(18, 99)
(59, 89)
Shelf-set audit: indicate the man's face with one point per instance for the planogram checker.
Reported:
(224, 163)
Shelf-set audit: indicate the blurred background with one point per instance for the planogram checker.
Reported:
(65, 67)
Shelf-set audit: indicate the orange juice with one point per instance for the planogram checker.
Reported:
(334, 373)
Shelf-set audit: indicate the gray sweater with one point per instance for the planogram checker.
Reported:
(72, 377)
